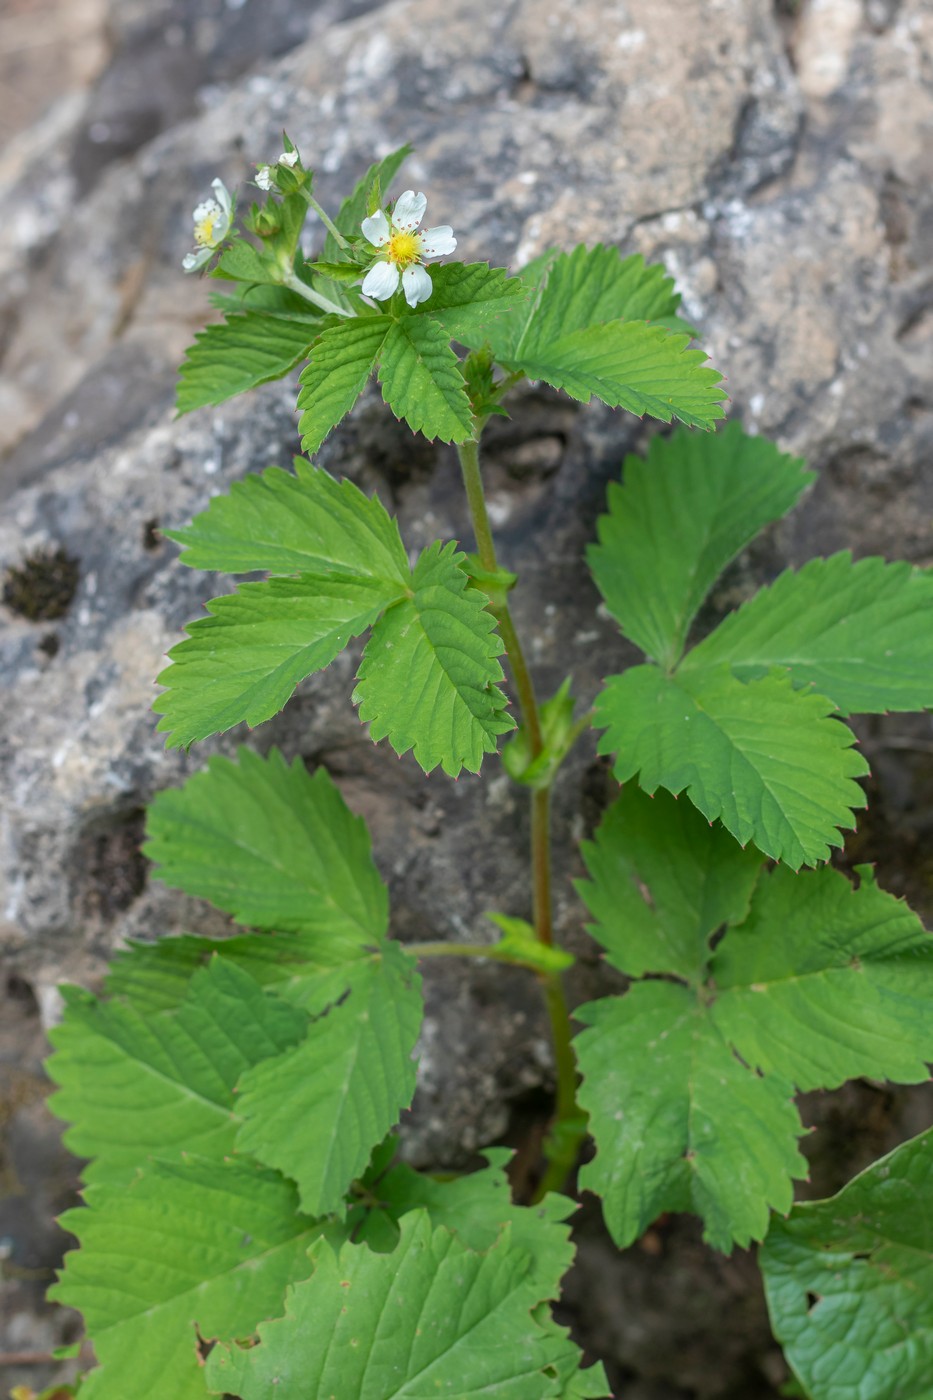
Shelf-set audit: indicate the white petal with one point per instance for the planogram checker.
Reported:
(192, 261)
(222, 195)
(437, 242)
(381, 281)
(289, 158)
(264, 177)
(206, 209)
(376, 229)
(417, 284)
(409, 210)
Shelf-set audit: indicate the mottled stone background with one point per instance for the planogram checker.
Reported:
(777, 156)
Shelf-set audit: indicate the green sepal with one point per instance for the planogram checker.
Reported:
(559, 734)
(521, 944)
(496, 584)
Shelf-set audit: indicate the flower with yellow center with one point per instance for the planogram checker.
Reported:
(403, 250)
(212, 220)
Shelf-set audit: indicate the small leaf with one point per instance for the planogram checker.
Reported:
(433, 1317)
(766, 760)
(858, 633)
(662, 882)
(243, 662)
(683, 513)
(198, 1248)
(429, 678)
(136, 1085)
(679, 1122)
(246, 349)
(421, 380)
(849, 1282)
(342, 359)
(302, 522)
(317, 1111)
(273, 846)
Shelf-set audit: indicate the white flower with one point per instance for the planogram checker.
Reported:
(289, 158)
(403, 250)
(212, 221)
(264, 177)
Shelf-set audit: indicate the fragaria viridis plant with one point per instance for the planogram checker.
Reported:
(249, 1229)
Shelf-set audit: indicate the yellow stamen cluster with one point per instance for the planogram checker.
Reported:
(403, 249)
(204, 228)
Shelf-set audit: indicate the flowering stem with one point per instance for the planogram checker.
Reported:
(568, 1126)
(295, 284)
(326, 220)
(467, 950)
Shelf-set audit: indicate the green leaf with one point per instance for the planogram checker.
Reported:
(302, 522)
(241, 262)
(317, 1110)
(421, 380)
(825, 982)
(467, 296)
(429, 675)
(137, 1085)
(662, 882)
(682, 514)
(243, 662)
(236, 354)
(679, 1122)
(355, 207)
(765, 759)
(342, 359)
(274, 847)
(433, 1317)
(629, 364)
(858, 633)
(849, 1283)
(201, 1247)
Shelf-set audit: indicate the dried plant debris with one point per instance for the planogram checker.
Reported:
(42, 587)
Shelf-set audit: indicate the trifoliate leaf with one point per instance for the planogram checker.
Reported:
(317, 1111)
(431, 1318)
(682, 514)
(236, 354)
(825, 982)
(342, 359)
(858, 633)
(243, 662)
(201, 1248)
(679, 1122)
(662, 882)
(429, 678)
(286, 522)
(467, 296)
(765, 759)
(849, 1283)
(355, 207)
(273, 846)
(421, 380)
(137, 1085)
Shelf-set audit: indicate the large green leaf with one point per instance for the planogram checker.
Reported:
(317, 1111)
(354, 208)
(681, 515)
(421, 380)
(679, 1122)
(631, 365)
(467, 296)
(429, 678)
(274, 847)
(765, 759)
(432, 1318)
(243, 662)
(137, 1085)
(198, 1248)
(824, 982)
(342, 359)
(859, 633)
(849, 1283)
(236, 354)
(285, 522)
(662, 882)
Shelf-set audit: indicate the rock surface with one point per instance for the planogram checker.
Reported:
(777, 158)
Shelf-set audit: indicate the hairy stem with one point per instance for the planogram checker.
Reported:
(295, 284)
(326, 220)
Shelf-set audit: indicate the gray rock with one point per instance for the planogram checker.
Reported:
(779, 163)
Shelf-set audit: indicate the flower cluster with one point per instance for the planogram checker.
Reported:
(212, 220)
(403, 250)
(265, 174)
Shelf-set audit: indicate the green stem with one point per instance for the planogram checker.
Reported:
(326, 220)
(295, 284)
(463, 950)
